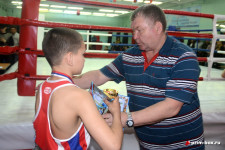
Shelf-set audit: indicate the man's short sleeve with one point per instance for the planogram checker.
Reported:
(182, 85)
(114, 70)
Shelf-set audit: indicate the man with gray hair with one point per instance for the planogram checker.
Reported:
(161, 77)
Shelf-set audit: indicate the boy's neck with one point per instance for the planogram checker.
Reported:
(63, 70)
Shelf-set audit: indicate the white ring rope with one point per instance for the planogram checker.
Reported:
(218, 59)
(96, 51)
(221, 52)
(216, 36)
(222, 30)
(100, 34)
(97, 43)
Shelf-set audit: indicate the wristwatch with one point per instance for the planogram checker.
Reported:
(130, 122)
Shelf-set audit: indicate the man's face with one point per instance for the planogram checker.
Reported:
(13, 30)
(143, 33)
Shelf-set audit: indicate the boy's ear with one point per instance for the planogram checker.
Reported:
(69, 58)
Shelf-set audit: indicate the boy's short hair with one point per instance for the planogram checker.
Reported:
(59, 41)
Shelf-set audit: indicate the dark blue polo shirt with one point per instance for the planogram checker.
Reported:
(174, 74)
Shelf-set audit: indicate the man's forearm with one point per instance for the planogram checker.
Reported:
(84, 80)
(156, 113)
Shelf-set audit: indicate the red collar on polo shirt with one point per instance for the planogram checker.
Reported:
(146, 63)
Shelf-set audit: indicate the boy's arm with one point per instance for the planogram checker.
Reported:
(84, 80)
(107, 137)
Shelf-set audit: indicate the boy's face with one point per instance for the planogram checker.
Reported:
(79, 59)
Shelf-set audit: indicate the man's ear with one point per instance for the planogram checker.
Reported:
(158, 27)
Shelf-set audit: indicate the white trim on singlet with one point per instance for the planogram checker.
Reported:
(40, 102)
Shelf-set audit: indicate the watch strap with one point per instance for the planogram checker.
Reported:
(130, 122)
(129, 116)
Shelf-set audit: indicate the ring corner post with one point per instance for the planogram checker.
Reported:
(27, 63)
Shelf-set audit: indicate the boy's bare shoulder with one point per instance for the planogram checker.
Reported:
(76, 98)
(73, 92)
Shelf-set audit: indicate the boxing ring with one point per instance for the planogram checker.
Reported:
(18, 133)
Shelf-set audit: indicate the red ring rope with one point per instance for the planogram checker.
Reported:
(11, 20)
(8, 49)
(8, 76)
(193, 14)
(186, 34)
(130, 7)
(96, 3)
(87, 55)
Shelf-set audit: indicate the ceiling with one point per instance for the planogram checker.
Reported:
(165, 4)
